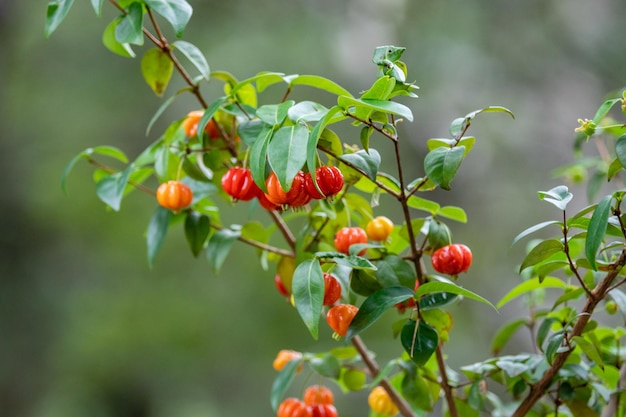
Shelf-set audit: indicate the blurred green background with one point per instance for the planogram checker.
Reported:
(86, 328)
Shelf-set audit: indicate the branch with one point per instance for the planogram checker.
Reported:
(538, 390)
(260, 245)
(403, 406)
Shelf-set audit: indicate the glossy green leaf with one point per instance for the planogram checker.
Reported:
(274, 114)
(306, 112)
(604, 109)
(110, 151)
(219, 246)
(530, 285)
(283, 381)
(308, 293)
(176, 12)
(286, 153)
(434, 287)
(130, 28)
(157, 230)
(375, 305)
(209, 113)
(321, 83)
(258, 156)
(197, 228)
(381, 89)
(55, 14)
(314, 138)
(419, 340)
(589, 349)
(157, 69)
(453, 213)
(504, 334)
(534, 229)
(467, 141)
(541, 252)
(363, 282)
(460, 125)
(195, 56)
(423, 204)
(110, 189)
(437, 300)
(439, 234)
(97, 6)
(159, 112)
(442, 164)
(109, 41)
(366, 162)
(347, 103)
(392, 270)
(597, 229)
(559, 196)
(327, 365)
(554, 346)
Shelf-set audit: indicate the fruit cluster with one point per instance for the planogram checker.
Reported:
(318, 401)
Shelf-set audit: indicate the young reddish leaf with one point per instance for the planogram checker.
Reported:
(57, 10)
(597, 229)
(112, 44)
(157, 230)
(419, 340)
(195, 56)
(219, 246)
(176, 12)
(308, 293)
(442, 164)
(130, 28)
(375, 305)
(157, 69)
(286, 153)
(197, 228)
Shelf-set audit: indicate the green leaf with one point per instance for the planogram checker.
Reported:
(442, 164)
(112, 44)
(110, 151)
(274, 114)
(209, 113)
(159, 112)
(157, 69)
(314, 137)
(541, 252)
(453, 213)
(533, 229)
(436, 300)
(383, 106)
(362, 282)
(282, 382)
(381, 89)
(366, 162)
(176, 12)
(604, 109)
(597, 229)
(195, 56)
(558, 196)
(308, 293)
(353, 261)
(459, 125)
(110, 189)
(531, 285)
(590, 350)
(504, 334)
(197, 228)
(286, 153)
(419, 340)
(57, 10)
(326, 365)
(433, 287)
(130, 28)
(306, 111)
(321, 83)
(219, 247)
(423, 204)
(620, 150)
(258, 156)
(97, 6)
(375, 305)
(392, 270)
(157, 230)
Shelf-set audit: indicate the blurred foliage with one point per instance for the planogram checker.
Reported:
(88, 328)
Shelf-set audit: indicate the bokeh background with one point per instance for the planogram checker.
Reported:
(87, 328)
